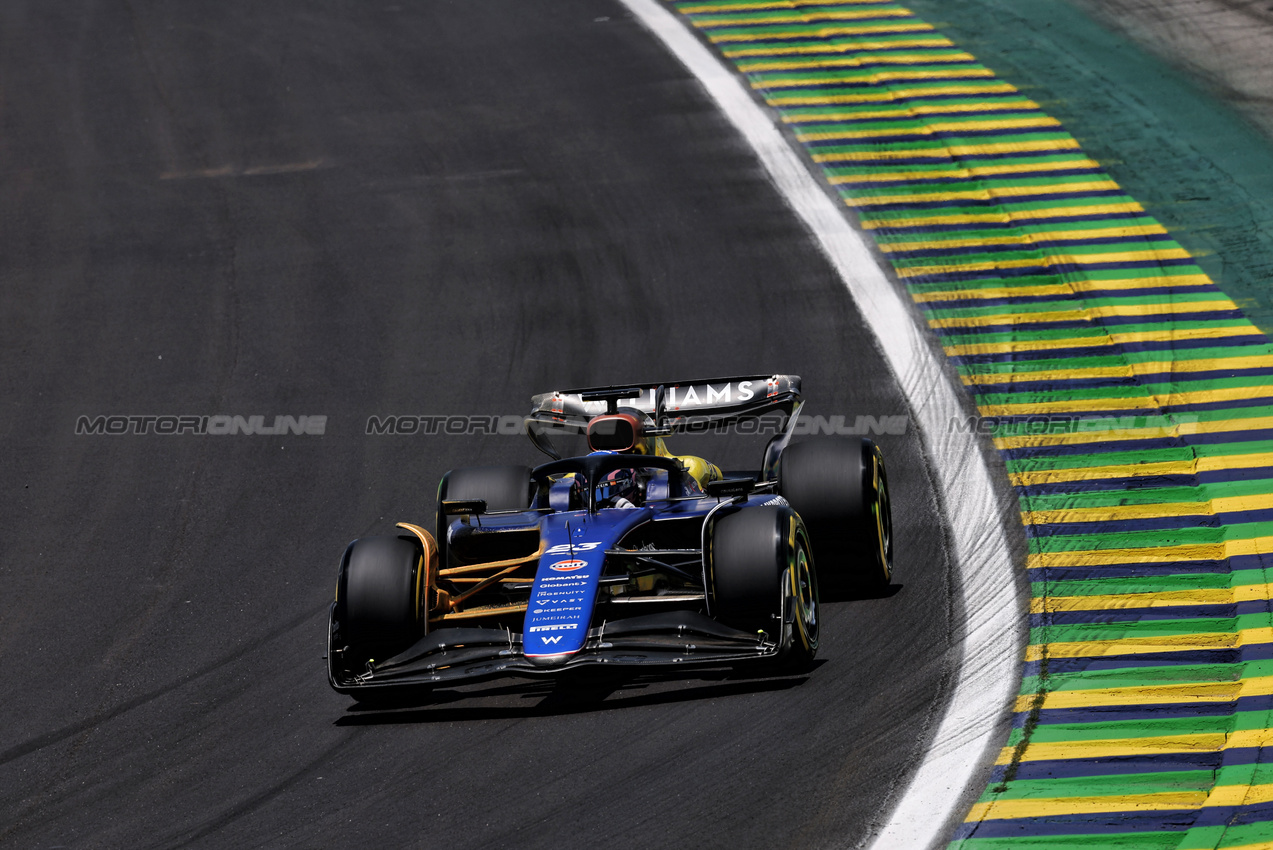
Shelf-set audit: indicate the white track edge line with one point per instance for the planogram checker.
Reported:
(989, 666)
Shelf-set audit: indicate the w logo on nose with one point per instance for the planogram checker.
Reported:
(555, 639)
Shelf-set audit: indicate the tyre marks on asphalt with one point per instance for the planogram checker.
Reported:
(317, 762)
(1131, 403)
(952, 758)
(56, 736)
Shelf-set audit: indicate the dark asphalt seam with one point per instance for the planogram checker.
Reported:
(1031, 722)
(256, 801)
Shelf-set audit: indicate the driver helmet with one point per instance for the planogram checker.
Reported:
(621, 488)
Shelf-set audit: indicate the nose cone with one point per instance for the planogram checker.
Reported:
(549, 660)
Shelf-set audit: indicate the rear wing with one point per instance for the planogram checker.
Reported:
(688, 406)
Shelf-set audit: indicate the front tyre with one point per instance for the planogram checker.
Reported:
(763, 580)
(379, 602)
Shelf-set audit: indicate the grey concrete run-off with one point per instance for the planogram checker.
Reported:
(1228, 44)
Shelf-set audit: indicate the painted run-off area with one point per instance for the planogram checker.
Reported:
(1172, 98)
(1148, 502)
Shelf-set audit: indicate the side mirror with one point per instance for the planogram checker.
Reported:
(729, 488)
(456, 507)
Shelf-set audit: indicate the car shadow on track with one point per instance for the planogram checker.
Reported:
(567, 695)
(832, 591)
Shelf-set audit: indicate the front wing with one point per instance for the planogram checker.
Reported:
(671, 639)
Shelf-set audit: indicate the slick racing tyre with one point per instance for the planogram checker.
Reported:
(503, 488)
(840, 489)
(763, 579)
(379, 599)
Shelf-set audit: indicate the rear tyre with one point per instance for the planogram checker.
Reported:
(840, 490)
(379, 601)
(763, 579)
(503, 488)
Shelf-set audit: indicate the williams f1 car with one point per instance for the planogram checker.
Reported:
(626, 555)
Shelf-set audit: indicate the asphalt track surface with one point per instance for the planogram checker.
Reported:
(349, 210)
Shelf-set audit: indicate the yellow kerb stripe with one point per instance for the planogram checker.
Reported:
(1158, 599)
(1118, 512)
(1006, 216)
(915, 111)
(1085, 314)
(1109, 338)
(1076, 287)
(1032, 237)
(898, 177)
(1116, 431)
(727, 18)
(873, 77)
(1125, 371)
(891, 96)
(1126, 402)
(929, 129)
(1047, 261)
(1151, 554)
(1149, 694)
(1150, 644)
(1173, 467)
(1114, 748)
(823, 48)
(1178, 743)
(1223, 795)
(1034, 808)
(784, 4)
(762, 65)
(1222, 505)
(986, 193)
(825, 32)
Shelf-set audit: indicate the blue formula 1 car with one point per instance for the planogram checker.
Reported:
(625, 555)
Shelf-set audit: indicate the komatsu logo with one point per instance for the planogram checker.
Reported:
(561, 584)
